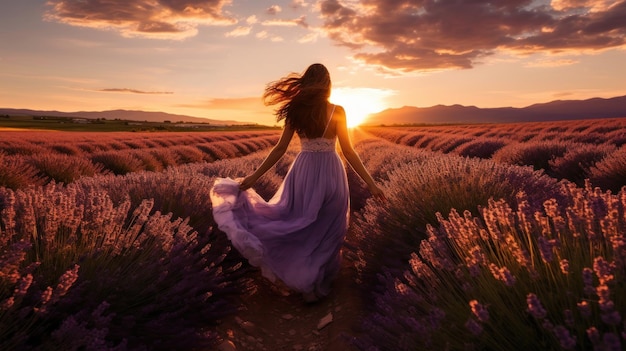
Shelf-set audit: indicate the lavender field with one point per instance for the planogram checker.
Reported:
(494, 237)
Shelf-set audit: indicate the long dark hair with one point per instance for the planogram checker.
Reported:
(303, 100)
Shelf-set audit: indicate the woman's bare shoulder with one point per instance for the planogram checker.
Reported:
(339, 111)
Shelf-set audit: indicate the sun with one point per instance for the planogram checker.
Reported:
(359, 103)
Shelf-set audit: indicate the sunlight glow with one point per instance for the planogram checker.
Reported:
(359, 103)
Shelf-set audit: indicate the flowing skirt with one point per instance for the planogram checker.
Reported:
(296, 236)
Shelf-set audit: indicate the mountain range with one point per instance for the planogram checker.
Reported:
(440, 114)
(552, 111)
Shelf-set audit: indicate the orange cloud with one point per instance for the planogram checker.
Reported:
(300, 21)
(159, 19)
(421, 35)
(240, 31)
(134, 91)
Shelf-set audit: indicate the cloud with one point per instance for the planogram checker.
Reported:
(296, 4)
(158, 19)
(134, 91)
(309, 38)
(423, 35)
(551, 62)
(300, 21)
(265, 35)
(239, 32)
(591, 5)
(274, 9)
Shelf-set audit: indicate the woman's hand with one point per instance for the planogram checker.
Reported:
(378, 193)
(247, 182)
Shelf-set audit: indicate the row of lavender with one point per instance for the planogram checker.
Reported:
(129, 262)
(526, 262)
(573, 150)
(39, 157)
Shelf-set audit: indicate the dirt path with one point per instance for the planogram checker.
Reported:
(271, 321)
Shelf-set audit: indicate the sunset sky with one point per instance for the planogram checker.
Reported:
(213, 58)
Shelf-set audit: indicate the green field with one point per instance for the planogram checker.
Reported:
(103, 125)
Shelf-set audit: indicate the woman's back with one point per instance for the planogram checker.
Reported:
(329, 131)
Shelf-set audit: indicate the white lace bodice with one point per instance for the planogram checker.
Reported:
(317, 145)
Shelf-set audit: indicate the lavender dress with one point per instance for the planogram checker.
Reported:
(297, 235)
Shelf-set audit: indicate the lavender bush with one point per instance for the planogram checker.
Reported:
(575, 164)
(149, 161)
(15, 173)
(118, 162)
(511, 280)
(188, 154)
(66, 149)
(381, 157)
(480, 147)
(64, 168)
(182, 191)
(610, 172)
(165, 156)
(537, 154)
(81, 272)
(386, 234)
(448, 143)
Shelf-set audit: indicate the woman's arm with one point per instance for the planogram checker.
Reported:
(277, 152)
(351, 156)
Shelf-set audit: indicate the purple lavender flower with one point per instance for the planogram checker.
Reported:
(473, 267)
(65, 283)
(603, 269)
(564, 264)
(507, 277)
(566, 340)
(611, 342)
(23, 285)
(545, 249)
(521, 255)
(473, 326)
(421, 269)
(435, 316)
(611, 318)
(46, 295)
(534, 306)
(477, 255)
(503, 274)
(588, 281)
(594, 335)
(7, 303)
(479, 310)
(585, 308)
(605, 302)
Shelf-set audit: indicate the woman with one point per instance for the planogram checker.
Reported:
(297, 236)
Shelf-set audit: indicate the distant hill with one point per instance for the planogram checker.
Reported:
(552, 111)
(128, 115)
